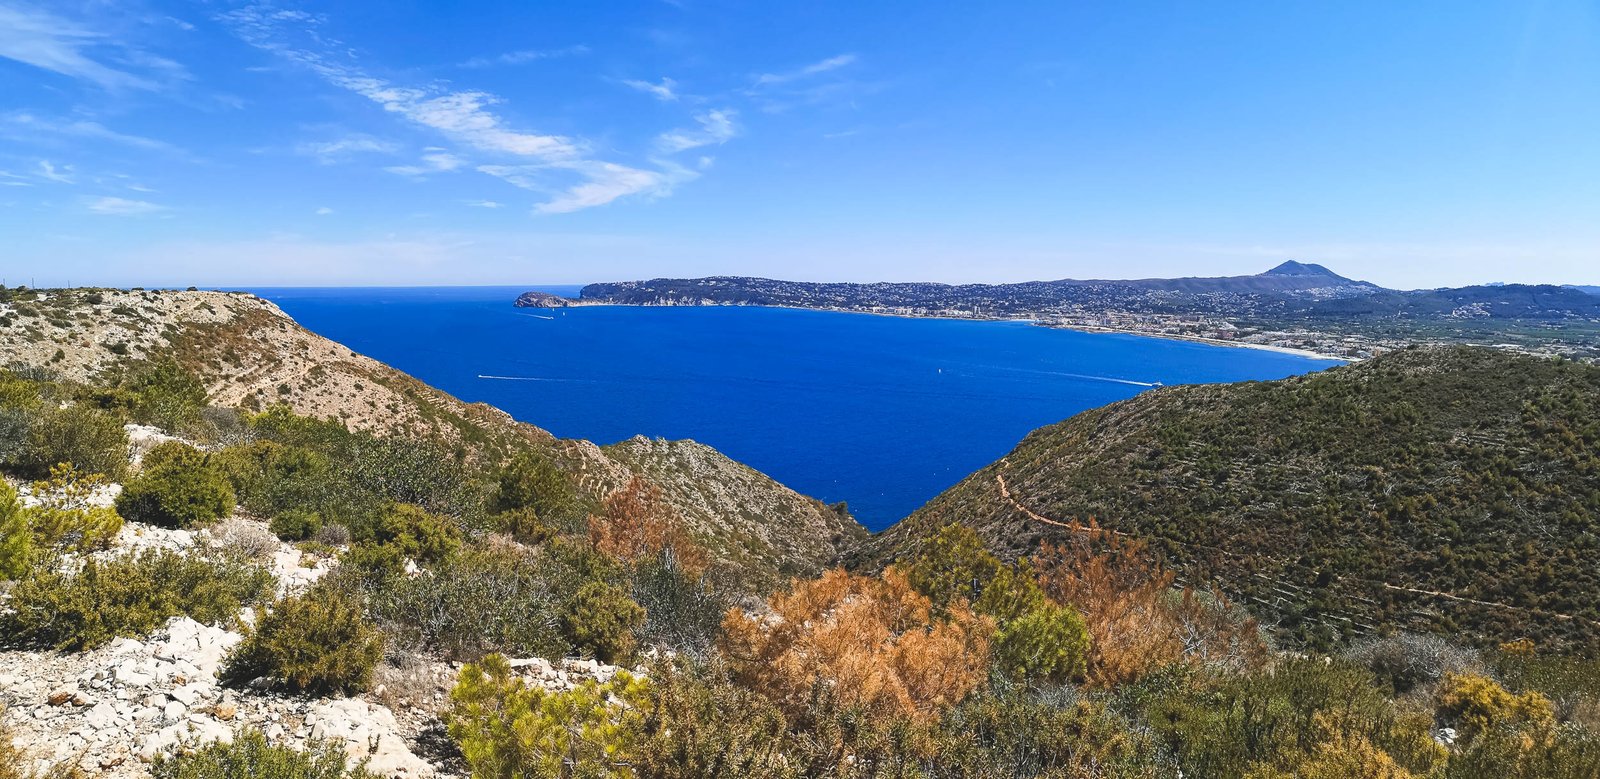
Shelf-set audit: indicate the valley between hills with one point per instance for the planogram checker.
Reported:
(225, 534)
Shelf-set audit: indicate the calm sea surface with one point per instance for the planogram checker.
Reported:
(881, 412)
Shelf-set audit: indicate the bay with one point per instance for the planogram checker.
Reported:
(880, 412)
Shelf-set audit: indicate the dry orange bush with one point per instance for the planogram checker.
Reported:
(1136, 621)
(636, 522)
(872, 640)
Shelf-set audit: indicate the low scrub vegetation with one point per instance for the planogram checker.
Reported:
(317, 643)
(249, 756)
(128, 595)
(177, 487)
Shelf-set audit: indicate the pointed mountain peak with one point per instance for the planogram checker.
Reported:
(1292, 268)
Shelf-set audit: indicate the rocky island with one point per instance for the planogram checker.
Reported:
(542, 300)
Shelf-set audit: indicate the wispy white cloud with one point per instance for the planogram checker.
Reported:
(605, 182)
(527, 159)
(483, 204)
(28, 126)
(716, 127)
(525, 56)
(433, 161)
(823, 66)
(331, 151)
(664, 91)
(45, 40)
(826, 82)
(117, 206)
(62, 175)
(324, 211)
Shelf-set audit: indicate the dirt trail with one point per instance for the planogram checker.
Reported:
(1005, 494)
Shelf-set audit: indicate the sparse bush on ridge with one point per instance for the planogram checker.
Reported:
(493, 598)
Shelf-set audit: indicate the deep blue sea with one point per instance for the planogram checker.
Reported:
(881, 412)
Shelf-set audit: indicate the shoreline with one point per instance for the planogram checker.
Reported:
(1289, 350)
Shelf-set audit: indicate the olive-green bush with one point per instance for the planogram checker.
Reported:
(16, 535)
(317, 643)
(295, 525)
(250, 756)
(495, 598)
(89, 439)
(418, 534)
(129, 595)
(534, 482)
(600, 619)
(1048, 643)
(179, 487)
(67, 518)
(508, 729)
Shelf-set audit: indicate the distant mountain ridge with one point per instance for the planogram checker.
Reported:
(1287, 278)
(1295, 304)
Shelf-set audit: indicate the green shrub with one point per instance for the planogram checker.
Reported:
(129, 595)
(524, 525)
(16, 534)
(1012, 731)
(417, 534)
(295, 525)
(683, 611)
(1048, 643)
(1474, 704)
(531, 481)
(953, 564)
(66, 519)
(1562, 752)
(508, 730)
(699, 723)
(485, 599)
(89, 439)
(317, 643)
(165, 395)
(1283, 721)
(600, 619)
(179, 486)
(251, 757)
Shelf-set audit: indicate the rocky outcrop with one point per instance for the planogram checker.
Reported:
(111, 710)
(542, 300)
(742, 514)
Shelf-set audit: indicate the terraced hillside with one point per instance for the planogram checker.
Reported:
(1453, 490)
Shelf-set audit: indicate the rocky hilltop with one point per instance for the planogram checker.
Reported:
(250, 355)
(1443, 490)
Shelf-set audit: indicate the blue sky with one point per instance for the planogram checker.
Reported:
(1415, 144)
